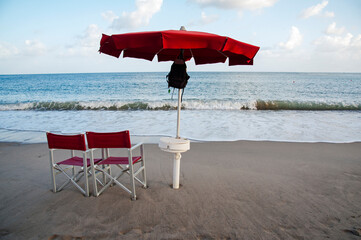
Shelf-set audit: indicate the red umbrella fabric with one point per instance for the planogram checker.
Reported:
(203, 47)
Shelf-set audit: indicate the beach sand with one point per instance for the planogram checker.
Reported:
(230, 190)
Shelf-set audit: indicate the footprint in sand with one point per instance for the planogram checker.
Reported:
(354, 231)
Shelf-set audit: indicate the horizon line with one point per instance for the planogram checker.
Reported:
(6, 74)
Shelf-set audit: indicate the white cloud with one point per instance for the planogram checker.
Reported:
(34, 48)
(329, 14)
(205, 19)
(110, 16)
(343, 45)
(356, 42)
(140, 17)
(335, 43)
(294, 40)
(316, 10)
(30, 48)
(236, 4)
(332, 29)
(91, 36)
(269, 53)
(8, 50)
(338, 43)
(86, 44)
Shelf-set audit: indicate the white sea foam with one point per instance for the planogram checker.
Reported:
(206, 125)
(187, 105)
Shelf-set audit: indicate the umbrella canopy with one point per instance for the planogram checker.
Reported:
(203, 47)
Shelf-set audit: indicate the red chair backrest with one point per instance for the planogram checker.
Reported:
(108, 140)
(71, 142)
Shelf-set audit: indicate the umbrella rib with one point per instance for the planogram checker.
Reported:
(191, 53)
(161, 36)
(223, 54)
(224, 44)
(221, 51)
(159, 51)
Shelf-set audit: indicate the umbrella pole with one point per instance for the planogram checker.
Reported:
(176, 170)
(177, 156)
(178, 113)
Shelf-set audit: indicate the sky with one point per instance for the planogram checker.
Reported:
(42, 36)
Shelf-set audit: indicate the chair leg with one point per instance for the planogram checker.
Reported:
(109, 169)
(104, 176)
(131, 168)
(85, 168)
(94, 177)
(72, 153)
(144, 175)
(52, 172)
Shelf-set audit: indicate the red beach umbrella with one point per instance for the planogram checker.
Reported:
(171, 45)
(203, 47)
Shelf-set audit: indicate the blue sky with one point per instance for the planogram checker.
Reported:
(41, 36)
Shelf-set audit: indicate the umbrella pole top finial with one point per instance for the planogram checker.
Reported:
(183, 28)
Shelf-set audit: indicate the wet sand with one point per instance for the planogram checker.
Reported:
(230, 190)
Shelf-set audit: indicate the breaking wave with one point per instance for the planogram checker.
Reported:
(309, 106)
(187, 105)
(77, 106)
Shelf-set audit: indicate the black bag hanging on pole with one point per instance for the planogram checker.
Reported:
(178, 77)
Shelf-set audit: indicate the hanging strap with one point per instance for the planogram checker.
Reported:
(181, 96)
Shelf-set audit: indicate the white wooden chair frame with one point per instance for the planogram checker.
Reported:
(74, 177)
(126, 168)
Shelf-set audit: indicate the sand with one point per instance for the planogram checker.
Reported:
(230, 190)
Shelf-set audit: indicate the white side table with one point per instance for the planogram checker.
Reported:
(176, 146)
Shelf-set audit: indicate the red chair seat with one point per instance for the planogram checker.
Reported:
(119, 160)
(77, 161)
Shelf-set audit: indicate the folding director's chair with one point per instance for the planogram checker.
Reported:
(74, 168)
(126, 164)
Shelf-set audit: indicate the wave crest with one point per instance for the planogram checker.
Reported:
(77, 106)
(309, 106)
(188, 105)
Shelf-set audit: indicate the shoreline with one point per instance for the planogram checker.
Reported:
(230, 190)
(21, 136)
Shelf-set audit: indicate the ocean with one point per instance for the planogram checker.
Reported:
(216, 106)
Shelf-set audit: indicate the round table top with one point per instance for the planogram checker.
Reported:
(174, 145)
